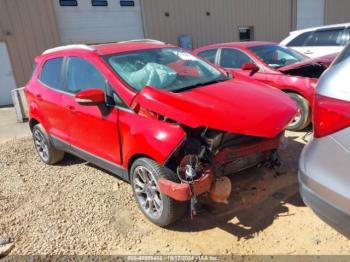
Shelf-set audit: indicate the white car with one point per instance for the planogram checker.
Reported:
(319, 41)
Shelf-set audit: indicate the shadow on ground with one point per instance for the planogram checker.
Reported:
(259, 197)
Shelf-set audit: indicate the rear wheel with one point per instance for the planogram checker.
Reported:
(157, 207)
(303, 117)
(46, 151)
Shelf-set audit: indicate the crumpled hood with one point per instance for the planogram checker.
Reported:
(324, 60)
(235, 106)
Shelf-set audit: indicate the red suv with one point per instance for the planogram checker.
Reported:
(160, 118)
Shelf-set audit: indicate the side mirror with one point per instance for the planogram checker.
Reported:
(90, 97)
(228, 75)
(250, 67)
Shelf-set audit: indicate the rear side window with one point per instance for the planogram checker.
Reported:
(209, 55)
(51, 72)
(83, 75)
(326, 38)
(300, 39)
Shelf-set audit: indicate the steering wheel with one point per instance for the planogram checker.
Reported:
(282, 61)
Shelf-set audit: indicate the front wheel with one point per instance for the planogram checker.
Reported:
(157, 207)
(303, 117)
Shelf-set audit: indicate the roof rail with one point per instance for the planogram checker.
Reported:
(67, 47)
(143, 40)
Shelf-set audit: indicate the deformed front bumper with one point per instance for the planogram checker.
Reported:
(185, 191)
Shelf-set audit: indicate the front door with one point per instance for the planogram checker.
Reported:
(233, 59)
(7, 81)
(93, 130)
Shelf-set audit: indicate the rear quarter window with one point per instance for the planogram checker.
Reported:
(50, 74)
(332, 37)
(300, 40)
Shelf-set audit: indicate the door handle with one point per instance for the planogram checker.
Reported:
(72, 109)
(39, 97)
(308, 52)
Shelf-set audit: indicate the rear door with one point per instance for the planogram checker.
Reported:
(48, 94)
(93, 130)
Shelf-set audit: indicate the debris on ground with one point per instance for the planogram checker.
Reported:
(74, 208)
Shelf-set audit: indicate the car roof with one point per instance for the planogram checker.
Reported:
(110, 48)
(320, 27)
(241, 45)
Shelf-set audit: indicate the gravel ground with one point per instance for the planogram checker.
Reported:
(75, 208)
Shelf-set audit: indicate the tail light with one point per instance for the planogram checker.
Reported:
(330, 115)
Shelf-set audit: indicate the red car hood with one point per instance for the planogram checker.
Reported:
(324, 60)
(235, 106)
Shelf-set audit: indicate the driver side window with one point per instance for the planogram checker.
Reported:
(233, 58)
(83, 75)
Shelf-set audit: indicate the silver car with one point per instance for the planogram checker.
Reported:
(324, 167)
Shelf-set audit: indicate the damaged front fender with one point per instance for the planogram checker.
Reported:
(144, 136)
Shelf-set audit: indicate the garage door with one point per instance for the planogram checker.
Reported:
(310, 13)
(7, 81)
(111, 20)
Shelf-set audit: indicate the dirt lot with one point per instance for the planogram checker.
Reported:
(76, 208)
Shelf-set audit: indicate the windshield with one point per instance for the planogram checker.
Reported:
(165, 68)
(277, 56)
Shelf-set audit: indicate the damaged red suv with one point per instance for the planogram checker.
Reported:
(160, 118)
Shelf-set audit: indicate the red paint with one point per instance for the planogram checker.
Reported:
(121, 134)
(231, 106)
(184, 191)
(177, 191)
(94, 96)
(236, 152)
(302, 85)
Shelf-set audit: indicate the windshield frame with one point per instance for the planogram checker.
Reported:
(279, 47)
(221, 76)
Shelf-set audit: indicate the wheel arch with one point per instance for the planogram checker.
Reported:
(33, 122)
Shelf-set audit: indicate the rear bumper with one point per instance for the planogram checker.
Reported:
(329, 213)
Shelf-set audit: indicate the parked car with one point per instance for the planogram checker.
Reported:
(319, 41)
(324, 163)
(274, 65)
(167, 122)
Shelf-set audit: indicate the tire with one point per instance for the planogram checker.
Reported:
(302, 120)
(46, 151)
(169, 210)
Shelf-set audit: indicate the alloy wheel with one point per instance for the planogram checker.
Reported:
(147, 192)
(41, 145)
